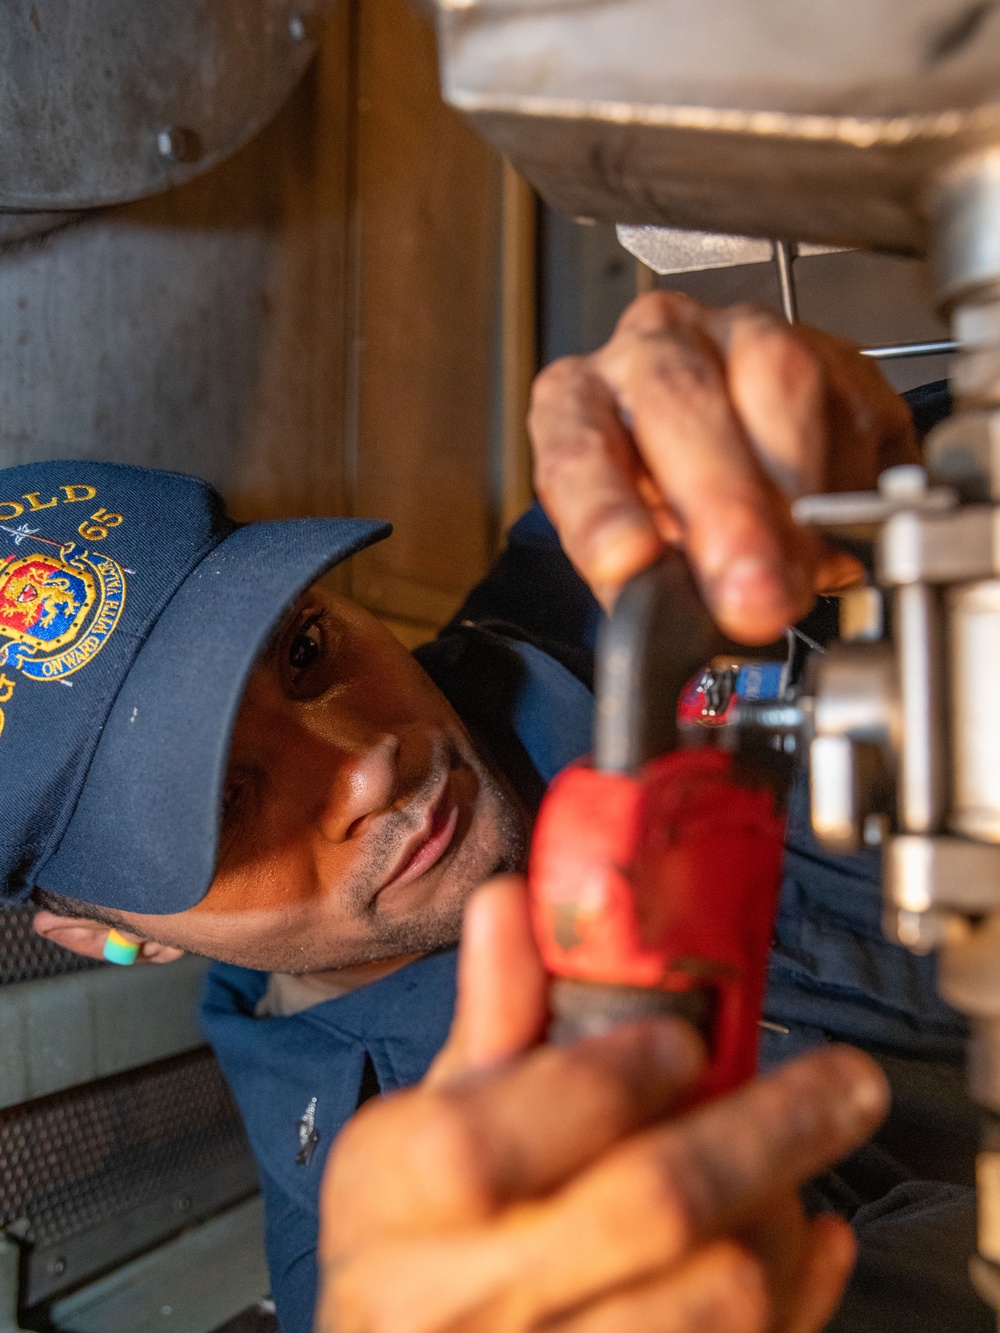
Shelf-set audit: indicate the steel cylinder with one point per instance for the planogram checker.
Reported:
(589, 1008)
(921, 792)
(973, 613)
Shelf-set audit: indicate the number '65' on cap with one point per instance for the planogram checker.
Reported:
(132, 610)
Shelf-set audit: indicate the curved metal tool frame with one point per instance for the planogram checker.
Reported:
(659, 634)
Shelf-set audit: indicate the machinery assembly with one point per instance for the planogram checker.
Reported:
(868, 125)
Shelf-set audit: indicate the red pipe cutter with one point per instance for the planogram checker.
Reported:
(654, 869)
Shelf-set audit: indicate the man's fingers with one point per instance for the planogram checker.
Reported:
(778, 388)
(821, 416)
(502, 1006)
(724, 1288)
(465, 1284)
(461, 1152)
(754, 564)
(652, 1200)
(779, 1237)
(585, 1096)
(697, 425)
(586, 474)
(663, 374)
(824, 1276)
(721, 1288)
(640, 1213)
(837, 571)
(864, 413)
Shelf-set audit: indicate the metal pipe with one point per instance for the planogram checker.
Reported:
(784, 258)
(917, 631)
(900, 351)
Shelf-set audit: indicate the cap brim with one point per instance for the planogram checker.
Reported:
(144, 834)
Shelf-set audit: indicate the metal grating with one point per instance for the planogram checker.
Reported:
(24, 956)
(74, 1161)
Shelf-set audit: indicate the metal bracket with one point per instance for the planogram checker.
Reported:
(62, 1031)
(10, 1267)
(190, 1285)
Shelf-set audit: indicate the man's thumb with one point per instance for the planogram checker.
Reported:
(502, 1006)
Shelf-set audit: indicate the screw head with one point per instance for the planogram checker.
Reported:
(56, 1266)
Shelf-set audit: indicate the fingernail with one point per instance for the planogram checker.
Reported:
(870, 1096)
(756, 584)
(867, 1096)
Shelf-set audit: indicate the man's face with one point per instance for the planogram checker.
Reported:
(357, 817)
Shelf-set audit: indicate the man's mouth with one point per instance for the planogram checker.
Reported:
(427, 846)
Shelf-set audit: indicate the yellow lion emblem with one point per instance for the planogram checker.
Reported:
(39, 590)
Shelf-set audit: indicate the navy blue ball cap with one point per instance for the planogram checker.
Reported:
(132, 611)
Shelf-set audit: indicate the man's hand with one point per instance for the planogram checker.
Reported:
(564, 1190)
(699, 425)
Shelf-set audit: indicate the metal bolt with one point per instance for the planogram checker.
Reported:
(296, 28)
(56, 1267)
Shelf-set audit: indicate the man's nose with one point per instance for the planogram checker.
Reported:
(363, 782)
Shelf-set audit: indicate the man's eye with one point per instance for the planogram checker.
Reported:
(232, 800)
(308, 658)
(306, 648)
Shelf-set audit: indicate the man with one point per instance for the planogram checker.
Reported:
(360, 804)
